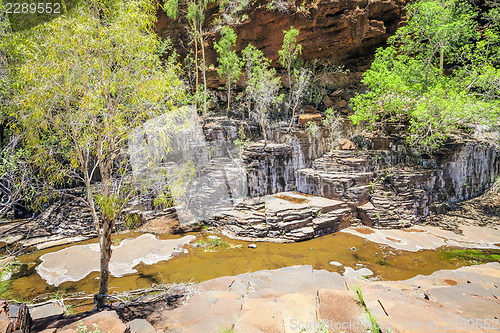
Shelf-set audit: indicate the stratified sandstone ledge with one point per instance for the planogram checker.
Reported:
(283, 217)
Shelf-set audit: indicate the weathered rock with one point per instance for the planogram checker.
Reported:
(310, 117)
(6, 325)
(269, 168)
(284, 217)
(393, 189)
(106, 321)
(14, 317)
(342, 103)
(292, 299)
(140, 326)
(327, 102)
(52, 310)
(347, 144)
(345, 32)
(338, 308)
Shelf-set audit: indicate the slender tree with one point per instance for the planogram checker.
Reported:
(229, 62)
(287, 55)
(195, 16)
(83, 83)
(262, 84)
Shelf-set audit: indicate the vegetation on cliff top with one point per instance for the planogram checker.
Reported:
(439, 74)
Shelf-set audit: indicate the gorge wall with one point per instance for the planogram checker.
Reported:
(385, 183)
(345, 32)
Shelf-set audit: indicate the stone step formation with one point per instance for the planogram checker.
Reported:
(284, 217)
(382, 197)
(381, 185)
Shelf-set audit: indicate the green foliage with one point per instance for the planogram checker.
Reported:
(262, 83)
(83, 329)
(242, 141)
(82, 83)
(17, 185)
(312, 127)
(171, 7)
(229, 63)
(297, 80)
(8, 269)
(212, 244)
(232, 11)
(82, 86)
(406, 83)
(290, 50)
(472, 255)
(375, 328)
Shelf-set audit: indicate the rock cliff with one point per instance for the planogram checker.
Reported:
(344, 32)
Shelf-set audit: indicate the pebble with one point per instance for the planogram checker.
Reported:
(213, 237)
(252, 246)
(335, 263)
(354, 249)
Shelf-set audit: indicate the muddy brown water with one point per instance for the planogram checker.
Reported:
(199, 265)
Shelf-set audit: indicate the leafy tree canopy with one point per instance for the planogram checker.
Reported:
(406, 82)
(82, 82)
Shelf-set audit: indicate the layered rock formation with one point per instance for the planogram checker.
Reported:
(386, 184)
(284, 217)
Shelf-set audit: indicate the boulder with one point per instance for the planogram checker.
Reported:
(307, 117)
(327, 102)
(47, 310)
(14, 317)
(106, 321)
(346, 144)
(140, 326)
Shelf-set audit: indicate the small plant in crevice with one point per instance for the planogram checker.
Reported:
(372, 187)
(242, 141)
(312, 127)
(83, 329)
(375, 328)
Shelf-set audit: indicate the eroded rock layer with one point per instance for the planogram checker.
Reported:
(284, 217)
(385, 183)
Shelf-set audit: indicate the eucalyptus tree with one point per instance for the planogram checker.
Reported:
(84, 81)
(195, 16)
(262, 84)
(229, 62)
(288, 54)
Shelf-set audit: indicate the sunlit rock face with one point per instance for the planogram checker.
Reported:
(76, 262)
(389, 185)
(284, 217)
